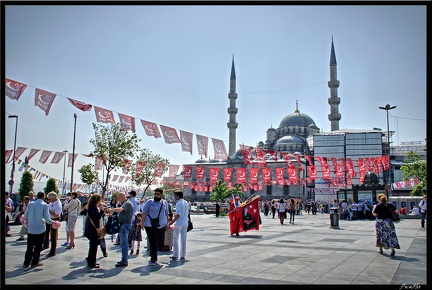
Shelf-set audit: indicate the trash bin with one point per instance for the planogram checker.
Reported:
(334, 217)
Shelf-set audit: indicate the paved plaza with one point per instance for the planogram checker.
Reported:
(309, 252)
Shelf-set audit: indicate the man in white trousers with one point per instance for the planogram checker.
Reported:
(180, 227)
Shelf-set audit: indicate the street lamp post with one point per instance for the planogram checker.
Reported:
(11, 181)
(387, 108)
(64, 169)
(73, 153)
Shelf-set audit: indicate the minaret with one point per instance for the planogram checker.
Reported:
(232, 111)
(334, 100)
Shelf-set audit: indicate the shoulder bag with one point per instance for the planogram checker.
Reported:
(155, 221)
(101, 232)
(394, 216)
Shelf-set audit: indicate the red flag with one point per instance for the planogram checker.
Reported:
(273, 154)
(126, 166)
(57, 157)
(139, 165)
(385, 162)
(170, 135)
(325, 167)
(361, 166)
(186, 141)
(19, 151)
(253, 171)
(214, 174)
(8, 154)
(280, 175)
(115, 177)
(220, 152)
(14, 89)
(246, 154)
(44, 100)
(44, 156)
(151, 129)
(251, 218)
(312, 172)
(80, 105)
(159, 169)
(202, 144)
(297, 158)
(266, 175)
(127, 122)
(292, 173)
(104, 116)
(227, 174)
(121, 178)
(173, 170)
(241, 175)
(199, 172)
(261, 157)
(187, 171)
(70, 160)
(32, 153)
(236, 218)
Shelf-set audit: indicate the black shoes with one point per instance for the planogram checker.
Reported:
(50, 255)
(120, 264)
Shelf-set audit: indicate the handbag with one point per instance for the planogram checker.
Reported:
(394, 216)
(101, 232)
(155, 222)
(190, 226)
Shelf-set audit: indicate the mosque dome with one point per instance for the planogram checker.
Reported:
(296, 119)
(201, 161)
(290, 139)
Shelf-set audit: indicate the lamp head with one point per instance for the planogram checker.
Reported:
(13, 116)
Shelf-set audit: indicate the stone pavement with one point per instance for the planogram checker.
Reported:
(309, 252)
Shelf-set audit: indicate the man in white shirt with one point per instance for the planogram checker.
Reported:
(55, 208)
(423, 209)
(180, 228)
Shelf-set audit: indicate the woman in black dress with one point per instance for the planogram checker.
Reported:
(94, 214)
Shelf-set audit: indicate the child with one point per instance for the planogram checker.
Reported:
(136, 234)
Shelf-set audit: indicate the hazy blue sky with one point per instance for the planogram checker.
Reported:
(171, 65)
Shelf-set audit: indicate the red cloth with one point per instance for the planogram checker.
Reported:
(238, 223)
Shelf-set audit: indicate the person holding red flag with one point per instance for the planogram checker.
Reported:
(244, 216)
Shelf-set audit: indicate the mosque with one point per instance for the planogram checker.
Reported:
(292, 136)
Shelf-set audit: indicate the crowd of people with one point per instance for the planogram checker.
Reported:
(164, 229)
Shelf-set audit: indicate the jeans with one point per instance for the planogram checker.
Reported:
(423, 217)
(125, 229)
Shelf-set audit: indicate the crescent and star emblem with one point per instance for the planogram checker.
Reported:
(186, 141)
(150, 127)
(125, 121)
(41, 99)
(241, 174)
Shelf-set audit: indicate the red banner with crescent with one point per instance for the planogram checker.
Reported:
(44, 156)
(266, 174)
(70, 160)
(126, 166)
(170, 135)
(227, 174)
(214, 174)
(246, 154)
(253, 171)
(139, 165)
(187, 171)
(292, 173)
(159, 169)
(202, 144)
(14, 89)
(241, 175)
(104, 116)
(199, 172)
(44, 100)
(280, 175)
(186, 141)
(151, 129)
(220, 152)
(172, 172)
(127, 122)
(261, 157)
(57, 157)
(32, 153)
(80, 105)
(19, 151)
(8, 154)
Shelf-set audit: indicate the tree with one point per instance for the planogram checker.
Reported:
(113, 145)
(221, 191)
(88, 175)
(51, 186)
(149, 163)
(26, 184)
(415, 167)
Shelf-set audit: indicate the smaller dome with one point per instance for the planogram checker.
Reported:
(370, 178)
(201, 161)
(290, 140)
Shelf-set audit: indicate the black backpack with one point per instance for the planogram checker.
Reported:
(112, 225)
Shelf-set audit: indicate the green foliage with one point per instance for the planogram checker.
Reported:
(114, 195)
(26, 184)
(51, 186)
(415, 167)
(221, 191)
(114, 145)
(88, 175)
(149, 160)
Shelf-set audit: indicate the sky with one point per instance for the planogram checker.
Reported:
(171, 65)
